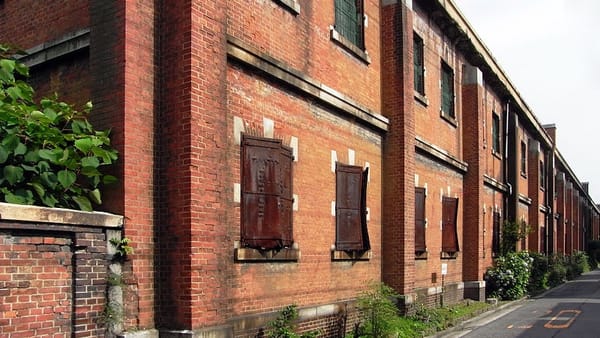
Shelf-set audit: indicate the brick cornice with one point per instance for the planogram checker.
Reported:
(440, 156)
(246, 54)
(65, 45)
(493, 183)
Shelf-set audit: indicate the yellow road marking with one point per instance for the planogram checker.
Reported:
(562, 316)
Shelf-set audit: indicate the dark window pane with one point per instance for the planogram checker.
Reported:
(351, 230)
(420, 220)
(349, 20)
(449, 231)
(496, 133)
(496, 233)
(542, 175)
(523, 158)
(447, 90)
(419, 65)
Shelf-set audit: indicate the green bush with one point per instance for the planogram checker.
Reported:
(509, 277)
(557, 271)
(538, 280)
(513, 232)
(577, 264)
(50, 154)
(283, 326)
(378, 311)
(593, 251)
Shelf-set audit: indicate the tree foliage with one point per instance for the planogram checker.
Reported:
(50, 154)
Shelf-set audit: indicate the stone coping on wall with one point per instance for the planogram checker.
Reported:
(29, 213)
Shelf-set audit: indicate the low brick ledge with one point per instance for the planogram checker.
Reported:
(29, 213)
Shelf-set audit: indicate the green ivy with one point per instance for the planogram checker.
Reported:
(512, 232)
(50, 154)
(122, 248)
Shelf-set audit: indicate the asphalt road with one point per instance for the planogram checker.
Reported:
(570, 310)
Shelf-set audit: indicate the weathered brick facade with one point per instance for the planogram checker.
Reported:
(180, 82)
(54, 271)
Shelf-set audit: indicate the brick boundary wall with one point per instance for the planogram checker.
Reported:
(54, 267)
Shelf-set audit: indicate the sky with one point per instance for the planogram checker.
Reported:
(550, 50)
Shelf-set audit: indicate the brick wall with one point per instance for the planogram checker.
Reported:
(53, 275)
(399, 155)
(27, 23)
(36, 285)
(122, 74)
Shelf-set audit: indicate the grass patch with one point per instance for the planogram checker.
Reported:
(380, 317)
(427, 321)
(439, 319)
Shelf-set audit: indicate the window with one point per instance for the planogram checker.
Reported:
(496, 133)
(351, 208)
(447, 84)
(542, 175)
(420, 220)
(291, 5)
(496, 234)
(523, 158)
(266, 208)
(419, 64)
(349, 21)
(449, 231)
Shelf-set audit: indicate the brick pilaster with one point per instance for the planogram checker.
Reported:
(473, 130)
(399, 149)
(122, 68)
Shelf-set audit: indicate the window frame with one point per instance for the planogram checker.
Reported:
(542, 176)
(450, 242)
(276, 193)
(447, 92)
(351, 208)
(420, 223)
(344, 28)
(496, 232)
(419, 64)
(496, 134)
(523, 168)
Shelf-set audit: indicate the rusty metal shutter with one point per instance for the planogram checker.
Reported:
(351, 230)
(266, 208)
(420, 219)
(286, 198)
(496, 233)
(363, 211)
(449, 231)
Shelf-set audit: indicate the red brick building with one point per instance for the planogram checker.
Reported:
(251, 143)
(290, 152)
(461, 129)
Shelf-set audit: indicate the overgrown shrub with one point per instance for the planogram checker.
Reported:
(512, 232)
(378, 311)
(538, 280)
(577, 264)
(509, 277)
(593, 251)
(284, 325)
(557, 271)
(50, 154)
